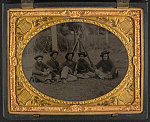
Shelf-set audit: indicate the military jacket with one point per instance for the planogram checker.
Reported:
(107, 65)
(70, 64)
(39, 68)
(54, 65)
(83, 66)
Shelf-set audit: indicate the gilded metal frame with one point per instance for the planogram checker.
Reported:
(126, 98)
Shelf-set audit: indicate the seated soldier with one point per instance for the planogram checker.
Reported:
(68, 69)
(105, 67)
(40, 72)
(83, 68)
(54, 65)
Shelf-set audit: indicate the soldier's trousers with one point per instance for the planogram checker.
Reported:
(66, 74)
(103, 75)
(86, 75)
(100, 74)
(41, 78)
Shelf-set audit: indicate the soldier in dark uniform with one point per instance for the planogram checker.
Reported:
(54, 65)
(40, 72)
(83, 68)
(105, 67)
(68, 69)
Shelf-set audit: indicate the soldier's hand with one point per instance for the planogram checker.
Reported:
(94, 67)
(70, 70)
(96, 70)
(109, 73)
(48, 69)
(75, 73)
(45, 73)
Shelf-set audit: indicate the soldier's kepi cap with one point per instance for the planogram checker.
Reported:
(66, 56)
(103, 53)
(82, 53)
(37, 56)
(54, 51)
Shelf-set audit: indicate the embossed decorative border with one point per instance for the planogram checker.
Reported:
(127, 97)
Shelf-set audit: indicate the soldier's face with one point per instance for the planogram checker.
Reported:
(70, 57)
(105, 56)
(81, 57)
(54, 56)
(39, 60)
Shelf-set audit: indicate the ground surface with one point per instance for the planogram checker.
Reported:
(83, 89)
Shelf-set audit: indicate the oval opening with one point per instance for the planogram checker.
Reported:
(99, 64)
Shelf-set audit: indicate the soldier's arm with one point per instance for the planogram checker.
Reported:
(58, 66)
(45, 66)
(98, 65)
(75, 68)
(48, 63)
(113, 66)
(89, 67)
(36, 72)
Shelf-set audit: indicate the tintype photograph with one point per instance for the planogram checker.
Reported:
(75, 61)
